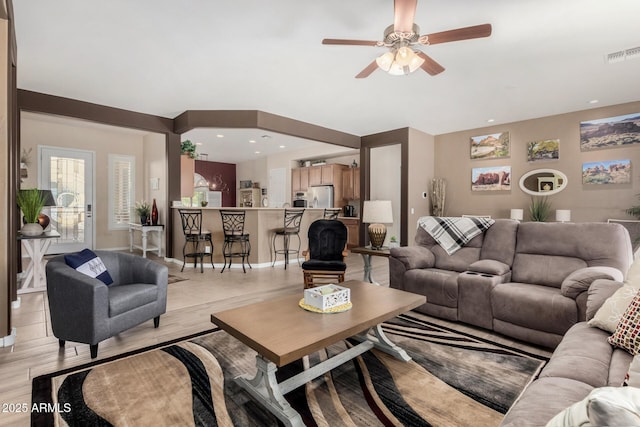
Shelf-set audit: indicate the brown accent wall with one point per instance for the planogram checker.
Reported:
(226, 172)
(586, 202)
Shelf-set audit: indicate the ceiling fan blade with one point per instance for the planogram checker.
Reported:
(404, 12)
(368, 70)
(474, 32)
(429, 65)
(350, 42)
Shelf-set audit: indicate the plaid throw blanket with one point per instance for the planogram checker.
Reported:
(452, 233)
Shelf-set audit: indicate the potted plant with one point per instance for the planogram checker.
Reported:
(143, 210)
(31, 201)
(539, 209)
(393, 242)
(189, 148)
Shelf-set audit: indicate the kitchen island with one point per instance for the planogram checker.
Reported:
(259, 223)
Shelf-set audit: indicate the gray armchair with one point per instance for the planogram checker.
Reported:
(85, 310)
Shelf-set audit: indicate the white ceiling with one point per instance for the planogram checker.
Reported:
(163, 57)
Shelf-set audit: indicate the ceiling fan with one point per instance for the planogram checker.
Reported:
(402, 37)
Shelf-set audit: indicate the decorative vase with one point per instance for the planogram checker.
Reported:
(143, 220)
(44, 220)
(154, 213)
(31, 229)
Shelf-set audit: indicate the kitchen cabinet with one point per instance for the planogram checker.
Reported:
(353, 231)
(299, 179)
(351, 184)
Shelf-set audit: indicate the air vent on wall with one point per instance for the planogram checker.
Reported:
(622, 55)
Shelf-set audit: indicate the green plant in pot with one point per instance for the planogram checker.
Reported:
(539, 209)
(143, 210)
(189, 148)
(31, 201)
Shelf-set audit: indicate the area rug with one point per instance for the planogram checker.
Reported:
(175, 279)
(454, 379)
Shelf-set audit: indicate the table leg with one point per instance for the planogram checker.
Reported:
(144, 243)
(130, 239)
(159, 235)
(367, 268)
(29, 277)
(383, 343)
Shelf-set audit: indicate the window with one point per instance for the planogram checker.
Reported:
(121, 200)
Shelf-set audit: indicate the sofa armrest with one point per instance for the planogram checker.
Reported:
(413, 257)
(580, 280)
(489, 266)
(599, 291)
(78, 304)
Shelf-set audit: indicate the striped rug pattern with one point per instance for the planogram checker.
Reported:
(454, 379)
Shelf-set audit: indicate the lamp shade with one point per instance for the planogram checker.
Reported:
(563, 215)
(48, 198)
(517, 214)
(377, 211)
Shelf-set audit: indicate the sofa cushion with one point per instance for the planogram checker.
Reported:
(576, 360)
(543, 399)
(540, 269)
(90, 264)
(442, 289)
(606, 406)
(580, 280)
(627, 333)
(536, 307)
(611, 311)
(124, 298)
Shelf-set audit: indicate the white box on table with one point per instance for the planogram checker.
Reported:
(327, 296)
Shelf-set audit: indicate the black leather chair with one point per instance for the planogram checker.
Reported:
(324, 261)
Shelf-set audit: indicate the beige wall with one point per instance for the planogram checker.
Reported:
(4, 185)
(386, 182)
(421, 171)
(103, 140)
(586, 202)
(155, 167)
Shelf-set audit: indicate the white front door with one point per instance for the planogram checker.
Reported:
(69, 175)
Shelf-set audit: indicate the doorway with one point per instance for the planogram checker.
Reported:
(69, 174)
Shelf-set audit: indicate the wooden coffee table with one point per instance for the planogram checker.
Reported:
(282, 332)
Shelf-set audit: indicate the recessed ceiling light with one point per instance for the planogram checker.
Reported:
(593, 101)
(220, 135)
(257, 152)
(491, 120)
(282, 146)
(252, 141)
(198, 143)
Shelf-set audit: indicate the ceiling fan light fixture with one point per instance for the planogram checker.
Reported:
(385, 61)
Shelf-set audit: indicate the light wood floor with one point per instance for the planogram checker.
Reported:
(189, 305)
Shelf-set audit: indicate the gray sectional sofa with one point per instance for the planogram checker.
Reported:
(582, 362)
(526, 280)
(537, 282)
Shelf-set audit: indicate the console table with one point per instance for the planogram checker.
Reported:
(145, 230)
(367, 253)
(36, 247)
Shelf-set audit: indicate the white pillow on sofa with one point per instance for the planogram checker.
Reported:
(608, 316)
(605, 406)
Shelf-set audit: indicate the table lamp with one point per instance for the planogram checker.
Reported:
(563, 215)
(376, 213)
(44, 219)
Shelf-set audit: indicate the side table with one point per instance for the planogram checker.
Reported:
(367, 253)
(36, 247)
(144, 230)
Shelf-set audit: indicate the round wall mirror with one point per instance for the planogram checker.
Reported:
(543, 182)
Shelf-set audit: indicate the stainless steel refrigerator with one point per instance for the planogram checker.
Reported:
(321, 196)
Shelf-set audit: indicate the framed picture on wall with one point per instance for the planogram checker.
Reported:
(610, 132)
(548, 149)
(607, 172)
(493, 146)
(493, 178)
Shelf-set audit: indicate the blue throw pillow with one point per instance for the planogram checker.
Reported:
(87, 262)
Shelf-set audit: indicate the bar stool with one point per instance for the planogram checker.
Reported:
(195, 235)
(292, 219)
(233, 227)
(331, 213)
